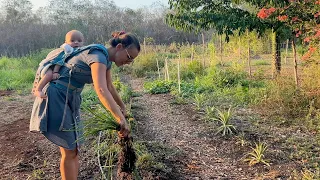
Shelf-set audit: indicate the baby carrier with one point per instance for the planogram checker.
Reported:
(59, 57)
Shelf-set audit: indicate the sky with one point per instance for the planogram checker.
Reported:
(134, 4)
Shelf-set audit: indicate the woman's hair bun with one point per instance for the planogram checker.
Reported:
(117, 34)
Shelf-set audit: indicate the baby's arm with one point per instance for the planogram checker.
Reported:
(56, 69)
(67, 48)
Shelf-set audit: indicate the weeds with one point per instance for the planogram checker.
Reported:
(257, 154)
(199, 100)
(225, 127)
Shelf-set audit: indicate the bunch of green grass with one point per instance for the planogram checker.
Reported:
(100, 120)
(18, 73)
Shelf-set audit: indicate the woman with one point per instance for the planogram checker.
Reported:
(59, 112)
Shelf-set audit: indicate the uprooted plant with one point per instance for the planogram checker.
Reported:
(102, 121)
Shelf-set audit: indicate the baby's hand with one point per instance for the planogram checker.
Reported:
(55, 76)
(40, 94)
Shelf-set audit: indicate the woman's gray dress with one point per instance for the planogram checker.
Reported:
(57, 117)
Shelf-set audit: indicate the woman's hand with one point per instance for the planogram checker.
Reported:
(124, 129)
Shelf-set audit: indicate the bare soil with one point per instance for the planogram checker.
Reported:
(189, 147)
(175, 134)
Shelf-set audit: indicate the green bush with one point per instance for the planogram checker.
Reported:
(189, 71)
(158, 87)
(144, 63)
(18, 73)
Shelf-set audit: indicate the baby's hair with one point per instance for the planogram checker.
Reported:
(126, 39)
(74, 31)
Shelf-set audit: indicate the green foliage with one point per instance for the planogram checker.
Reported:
(100, 119)
(261, 63)
(223, 16)
(199, 100)
(158, 87)
(89, 97)
(38, 174)
(187, 89)
(225, 77)
(283, 98)
(188, 70)
(309, 175)
(193, 69)
(144, 63)
(210, 113)
(18, 73)
(257, 155)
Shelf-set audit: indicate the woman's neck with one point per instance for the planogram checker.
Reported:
(111, 53)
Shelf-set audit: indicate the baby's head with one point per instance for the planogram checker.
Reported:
(74, 38)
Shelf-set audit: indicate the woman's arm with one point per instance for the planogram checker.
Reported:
(114, 93)
(99, 73)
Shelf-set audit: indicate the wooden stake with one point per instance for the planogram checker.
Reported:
(192, 51)
(203, 51)
(295, 62)
(158, 68)
(249, 60)
(179, 74)
(144, 46)
(167, 69)
(221, 49)
(285, 58)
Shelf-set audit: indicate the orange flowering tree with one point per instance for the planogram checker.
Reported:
(302, 16)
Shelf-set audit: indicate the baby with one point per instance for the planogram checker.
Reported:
(73, 39)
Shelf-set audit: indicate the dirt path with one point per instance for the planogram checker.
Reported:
(25, 155)
(201, 154)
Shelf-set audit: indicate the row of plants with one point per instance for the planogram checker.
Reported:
(125, 156)
(279, 99)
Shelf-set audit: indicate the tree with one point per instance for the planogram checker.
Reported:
(17, 11)
(302, 17)
(224, 17)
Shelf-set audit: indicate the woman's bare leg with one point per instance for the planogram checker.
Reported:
(69, 164)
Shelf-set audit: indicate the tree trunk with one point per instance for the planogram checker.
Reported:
(276, 55)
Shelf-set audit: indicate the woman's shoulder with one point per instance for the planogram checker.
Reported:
(98, 56)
